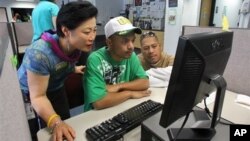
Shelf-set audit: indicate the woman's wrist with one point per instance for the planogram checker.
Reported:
(55, 124)
(52, 119)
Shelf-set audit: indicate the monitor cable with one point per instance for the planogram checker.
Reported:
(183, 124)
(206, 107)
(210, 114)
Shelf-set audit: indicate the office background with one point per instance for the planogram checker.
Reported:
(187, 12)
(14, 127)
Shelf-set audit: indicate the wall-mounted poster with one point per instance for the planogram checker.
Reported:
(172, 3)
(138, 2)
(149, 14)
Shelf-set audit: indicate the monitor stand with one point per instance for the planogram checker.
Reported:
(204, 132)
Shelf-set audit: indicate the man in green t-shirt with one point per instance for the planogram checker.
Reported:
(113, 73)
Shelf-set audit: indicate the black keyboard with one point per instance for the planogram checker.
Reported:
(116, 127)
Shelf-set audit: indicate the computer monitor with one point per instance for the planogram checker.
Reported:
(199, 64)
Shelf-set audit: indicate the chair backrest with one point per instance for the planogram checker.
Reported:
(237, 72)
(74, 89)
(14, 124)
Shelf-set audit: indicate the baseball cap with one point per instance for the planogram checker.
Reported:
(121, 26)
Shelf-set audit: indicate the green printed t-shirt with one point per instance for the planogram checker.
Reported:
(101, 69)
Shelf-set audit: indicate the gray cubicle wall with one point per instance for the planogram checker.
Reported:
(14, 124)
(3, 15)
(237, 72)
(23, 32)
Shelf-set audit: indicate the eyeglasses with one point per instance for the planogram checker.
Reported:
(147, 34)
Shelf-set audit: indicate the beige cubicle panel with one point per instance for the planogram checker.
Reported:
(3, 15)
(237, 72)
(23, 34)
(14, 124)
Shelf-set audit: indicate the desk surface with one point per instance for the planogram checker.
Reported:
(80, 123)
(233, 111)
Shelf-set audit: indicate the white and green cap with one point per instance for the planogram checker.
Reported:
(121, 26)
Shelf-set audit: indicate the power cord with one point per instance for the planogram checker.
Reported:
(183, 124)
(210, 114)
(206, 108)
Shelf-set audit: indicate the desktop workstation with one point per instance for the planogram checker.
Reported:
(86, 120)
(89, 119)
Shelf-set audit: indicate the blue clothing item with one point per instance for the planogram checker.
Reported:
(42, 18)
(40, 58)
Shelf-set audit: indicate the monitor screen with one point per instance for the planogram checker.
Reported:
(199, 57)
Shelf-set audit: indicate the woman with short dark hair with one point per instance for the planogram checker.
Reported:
(47, 63)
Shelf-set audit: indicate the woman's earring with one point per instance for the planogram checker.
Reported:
(68, 46)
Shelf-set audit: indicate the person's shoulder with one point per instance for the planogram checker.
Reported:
(47, 3)
(168, 56)
(140, 56)
(39, 50)
(54, 4)
(133, 56)
(40, 45)
(99, 52)
(96, 55)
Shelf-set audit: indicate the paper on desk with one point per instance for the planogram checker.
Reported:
(243, 100)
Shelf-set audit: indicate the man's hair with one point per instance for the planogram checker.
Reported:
(73, 14)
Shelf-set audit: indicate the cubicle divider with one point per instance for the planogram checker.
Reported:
(21, 34)
(237, 72)
(14, 124)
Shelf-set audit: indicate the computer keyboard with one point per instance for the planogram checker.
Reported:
(114, 128)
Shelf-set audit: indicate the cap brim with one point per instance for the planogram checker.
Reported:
(136, 30)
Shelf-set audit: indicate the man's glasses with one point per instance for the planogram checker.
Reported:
(147, 34)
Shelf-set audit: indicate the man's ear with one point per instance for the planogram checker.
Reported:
(108, 42)
(65, 31)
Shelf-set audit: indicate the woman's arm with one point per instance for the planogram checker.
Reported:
(38, 85)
